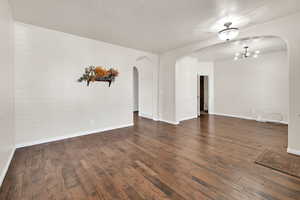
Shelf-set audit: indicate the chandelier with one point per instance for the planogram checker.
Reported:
(229, 32)
(246, 54)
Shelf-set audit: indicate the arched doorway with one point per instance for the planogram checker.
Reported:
(203, 62)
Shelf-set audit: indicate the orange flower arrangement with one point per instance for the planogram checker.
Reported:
(98, 73)
(113, 72)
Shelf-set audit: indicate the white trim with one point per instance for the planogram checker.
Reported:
(278, 122)
(250, 118)
(147, 116)
(26, 144)
(169, 122)
(188, 118)
(144, 115)
(4, 171)
(234, 116)
(293, 151)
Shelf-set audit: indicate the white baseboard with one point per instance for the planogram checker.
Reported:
(293, 151)
(169, 122)
(278, 122)
(155, 119)
(53, 139)
(250, 118)
(144, 115)
(188, 118)
(233, 116)
(147, 116)
(26, 144)
(4, 171)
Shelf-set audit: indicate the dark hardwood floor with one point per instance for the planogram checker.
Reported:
(209, 158)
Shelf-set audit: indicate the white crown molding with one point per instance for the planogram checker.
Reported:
(5, 169)
(26, 144)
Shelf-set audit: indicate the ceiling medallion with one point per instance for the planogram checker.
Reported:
(229, 32)
(246, 54)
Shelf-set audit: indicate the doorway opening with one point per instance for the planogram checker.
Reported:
(135, 91)
(202, 95)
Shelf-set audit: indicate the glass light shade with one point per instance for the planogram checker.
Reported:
(228, 34)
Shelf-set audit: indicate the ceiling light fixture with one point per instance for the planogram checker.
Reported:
(246, 54)
(229, 32)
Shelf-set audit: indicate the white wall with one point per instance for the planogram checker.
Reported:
(187, 71)
(6, 88)
(253, 88)
(51, 105)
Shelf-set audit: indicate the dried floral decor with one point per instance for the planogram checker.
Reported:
(93, 74)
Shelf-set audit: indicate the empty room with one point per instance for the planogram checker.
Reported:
(150, 100)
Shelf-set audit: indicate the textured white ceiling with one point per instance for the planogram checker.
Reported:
(151, 25)
(227, 50)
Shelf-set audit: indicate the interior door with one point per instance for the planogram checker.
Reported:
(201, 93)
